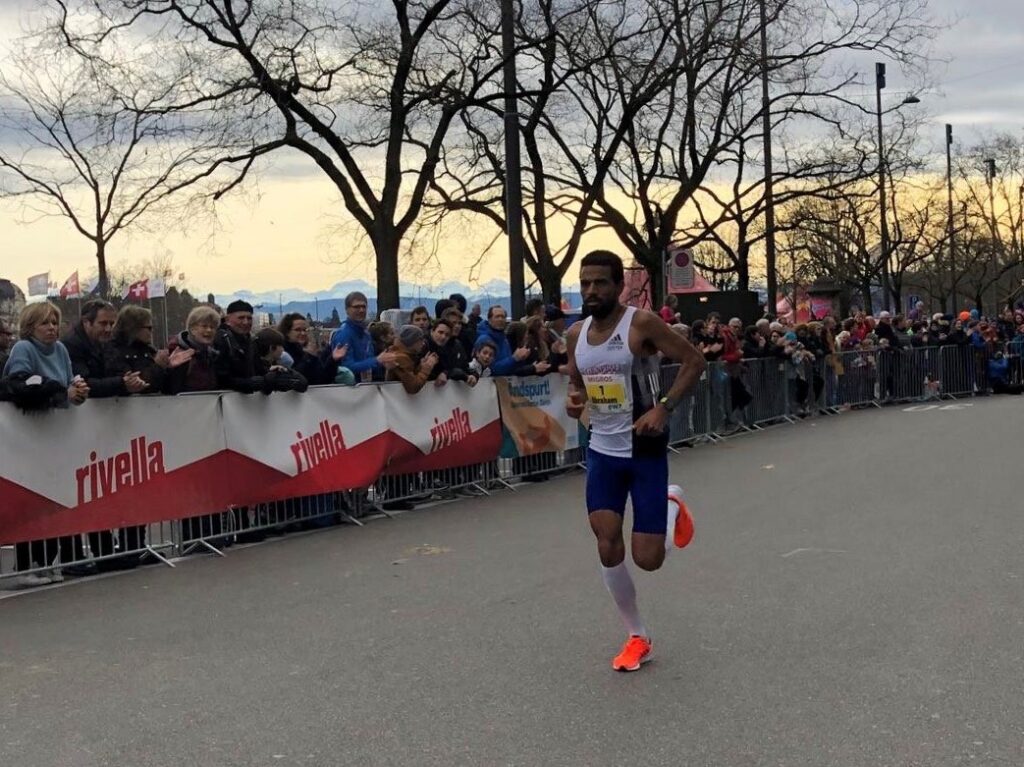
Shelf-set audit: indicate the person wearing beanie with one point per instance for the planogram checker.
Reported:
(408, 368)
(235, 361)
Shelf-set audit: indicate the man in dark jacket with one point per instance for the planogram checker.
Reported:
(86, 345)
(236, 353)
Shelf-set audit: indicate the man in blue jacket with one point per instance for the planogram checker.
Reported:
(353, 334)
(505, 360)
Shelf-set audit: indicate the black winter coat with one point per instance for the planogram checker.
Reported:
(89, 360)
(137, 357)
(236, 362)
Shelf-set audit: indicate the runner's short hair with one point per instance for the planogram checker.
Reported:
(608, 259)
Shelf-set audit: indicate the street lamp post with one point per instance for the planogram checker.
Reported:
(513, 171)
(990, 177)
(769, 196)
(949, 218)
(884, 220)
(882, 202)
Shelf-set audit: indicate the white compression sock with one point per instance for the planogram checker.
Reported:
(673, 512)
(620, 586)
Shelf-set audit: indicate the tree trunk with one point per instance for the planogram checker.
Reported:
(550, 283)
(743, 269)
(103, 283)
(865, 293)
(386, 250)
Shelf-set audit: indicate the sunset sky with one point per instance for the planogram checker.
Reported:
(284, 233)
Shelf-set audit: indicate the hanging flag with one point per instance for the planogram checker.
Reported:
(91, 287)
(157, 288)
(39, 284)
(70, 288)
(137, 291)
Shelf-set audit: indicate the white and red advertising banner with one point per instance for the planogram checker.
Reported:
(441, 427)
(131, 461)
(110, 463)
(289, 445)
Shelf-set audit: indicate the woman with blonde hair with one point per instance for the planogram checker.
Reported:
(40, 360)
(39, 352)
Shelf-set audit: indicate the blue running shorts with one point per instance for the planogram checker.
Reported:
(645, 480)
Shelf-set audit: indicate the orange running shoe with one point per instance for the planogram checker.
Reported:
(682, 533)
(635, 653)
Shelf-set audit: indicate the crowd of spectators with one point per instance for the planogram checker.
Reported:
(113, 353)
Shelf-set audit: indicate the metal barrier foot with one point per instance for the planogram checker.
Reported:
(156, 555)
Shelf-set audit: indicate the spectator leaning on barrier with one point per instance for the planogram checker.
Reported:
(39, 354)
(275, 375)
(199, 372)
(437, 342)
(457, 356)
(132, 350)
(236, 353)
(360, 359)
(317, 369)
(408, 368)
(382, 336)
(529, 335)
(483, 357)
(86, 344)
(494, 327)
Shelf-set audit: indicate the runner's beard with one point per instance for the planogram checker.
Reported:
(602, 310)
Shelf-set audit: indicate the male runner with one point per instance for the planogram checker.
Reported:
(614, 373)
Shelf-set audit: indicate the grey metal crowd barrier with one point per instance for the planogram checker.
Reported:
(729, 397)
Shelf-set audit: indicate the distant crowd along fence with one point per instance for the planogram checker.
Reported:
(228, 462)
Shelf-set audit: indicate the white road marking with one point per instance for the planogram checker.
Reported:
(817, 551)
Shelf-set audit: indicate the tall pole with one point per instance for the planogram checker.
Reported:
(513, 179)
(950, 228)
(990, 175)
(884, 218)
(769, 193)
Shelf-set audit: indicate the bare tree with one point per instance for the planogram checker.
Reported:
(991, 261)
(836, 237)
(367, 92)
(705, 117)
(104, 147)
(571, 141)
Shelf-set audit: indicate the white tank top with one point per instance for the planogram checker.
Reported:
(607, 371)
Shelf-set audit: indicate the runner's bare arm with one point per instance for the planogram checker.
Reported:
(577, 397)
(691, 362)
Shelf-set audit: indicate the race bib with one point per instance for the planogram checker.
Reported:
(608, 394)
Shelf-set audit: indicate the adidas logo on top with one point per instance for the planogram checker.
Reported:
(615, 342)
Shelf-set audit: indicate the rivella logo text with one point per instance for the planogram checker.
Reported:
(450, 431)
(102, 476)
(326, 443)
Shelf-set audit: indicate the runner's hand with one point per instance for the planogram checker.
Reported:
(652, 423)
(575, 404)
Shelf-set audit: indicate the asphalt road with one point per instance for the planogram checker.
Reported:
(852, 598)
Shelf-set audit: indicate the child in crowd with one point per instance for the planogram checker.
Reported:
(483, 357)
